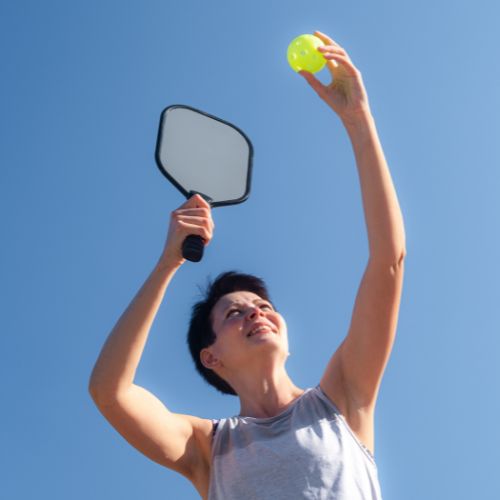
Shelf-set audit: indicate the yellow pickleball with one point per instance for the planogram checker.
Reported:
(302, 54)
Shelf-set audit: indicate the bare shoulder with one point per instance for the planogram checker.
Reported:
(200, 469)
(203, 430)
(177, 441)
(359, 418)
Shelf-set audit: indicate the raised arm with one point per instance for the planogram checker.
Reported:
(346, 95)
(354, 373)
(115, 368)
(167, 438)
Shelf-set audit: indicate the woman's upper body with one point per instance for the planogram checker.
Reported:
(306, 451)
(251, 345)
(310, 434)
(352, 377)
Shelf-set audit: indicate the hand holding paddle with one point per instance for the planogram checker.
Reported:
(192, 218)
(209, 161)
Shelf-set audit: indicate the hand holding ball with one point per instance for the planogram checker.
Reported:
(303, 54)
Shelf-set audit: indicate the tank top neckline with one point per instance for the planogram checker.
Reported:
(267, 420)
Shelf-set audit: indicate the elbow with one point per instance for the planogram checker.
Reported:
(400, 257)
(103, 394)
(95, 390)
(92, 389)
(398, 262)
(393, 260)
(99, 398)
(92, 384)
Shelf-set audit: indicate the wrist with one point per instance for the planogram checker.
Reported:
(358, 119)
(360, 126)
(169, 263)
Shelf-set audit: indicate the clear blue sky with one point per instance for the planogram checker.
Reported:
(85, 210)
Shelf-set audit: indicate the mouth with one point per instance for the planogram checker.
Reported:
(260, 330)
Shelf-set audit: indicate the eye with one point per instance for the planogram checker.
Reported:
(266, 306)
(231, 311)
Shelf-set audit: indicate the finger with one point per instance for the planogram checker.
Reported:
(325, 38)
(196, 201)
(205, 233)
(333, 66)
(334, 49)
(344, 61)
(197, 221)
(329, 52)
(194, 220)
(200, 212)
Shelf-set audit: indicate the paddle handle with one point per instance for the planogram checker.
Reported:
(192, 248)
(193, 245)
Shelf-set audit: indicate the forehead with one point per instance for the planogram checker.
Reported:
(235, 297)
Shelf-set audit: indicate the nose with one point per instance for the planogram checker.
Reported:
(254, 311)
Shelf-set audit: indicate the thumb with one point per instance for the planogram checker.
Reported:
(196, 201)
(313, 82)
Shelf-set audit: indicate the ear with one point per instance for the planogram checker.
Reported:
(208, 360)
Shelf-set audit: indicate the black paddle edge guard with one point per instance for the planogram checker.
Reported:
(185, 192)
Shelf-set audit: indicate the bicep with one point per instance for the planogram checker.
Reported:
(356, 369)
(165, 437)
(369, 342)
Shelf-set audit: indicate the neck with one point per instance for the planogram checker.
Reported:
(266, 395)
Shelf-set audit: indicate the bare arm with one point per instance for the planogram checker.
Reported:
(167, 438)
(354, 373)
(115, 368)
(369, 342)
(384, 221)
(347, 96)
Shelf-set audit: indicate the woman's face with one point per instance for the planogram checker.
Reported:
(245, 324)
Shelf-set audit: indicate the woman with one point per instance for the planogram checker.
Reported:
(286, 442)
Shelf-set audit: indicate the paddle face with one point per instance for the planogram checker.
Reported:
(200, 153)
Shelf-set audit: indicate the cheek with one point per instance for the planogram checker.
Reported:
(279, 320)
(228, 335)
(231, 326)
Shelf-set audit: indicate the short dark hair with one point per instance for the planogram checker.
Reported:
(201, 334)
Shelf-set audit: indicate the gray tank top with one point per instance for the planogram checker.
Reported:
(307, 451)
